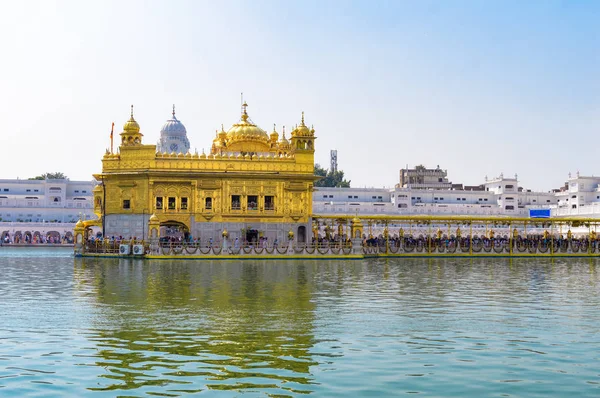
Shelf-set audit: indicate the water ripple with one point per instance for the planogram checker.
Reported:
(435, 327)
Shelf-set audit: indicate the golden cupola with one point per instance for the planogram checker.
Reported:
(220, 141)
(222, 135)
(274, 136)
(245, 136)
(303, 138)
(284, 144)
(302, 130)
(131, 132)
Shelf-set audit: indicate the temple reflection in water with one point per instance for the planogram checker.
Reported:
(168, 322)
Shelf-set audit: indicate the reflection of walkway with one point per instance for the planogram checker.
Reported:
(221, 326)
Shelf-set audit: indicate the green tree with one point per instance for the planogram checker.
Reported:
(330, 178)
(50, 176)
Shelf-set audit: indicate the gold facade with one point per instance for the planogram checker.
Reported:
(248, 177)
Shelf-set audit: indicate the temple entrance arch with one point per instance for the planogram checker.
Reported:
(174, 231)
(302, 234)
(251, 236)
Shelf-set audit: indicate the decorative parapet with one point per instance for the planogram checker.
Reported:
(207, 163)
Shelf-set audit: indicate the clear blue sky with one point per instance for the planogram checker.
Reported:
(478, 87)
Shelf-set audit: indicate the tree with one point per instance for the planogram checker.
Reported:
(51, 176)
(330, 178)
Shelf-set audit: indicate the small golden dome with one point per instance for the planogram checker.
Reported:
(153, 218)
(274, 135)
(131, 126)
(283, 142)
(302, 130)
(222, 134)
(79, 224)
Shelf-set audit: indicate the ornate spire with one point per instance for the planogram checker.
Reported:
(132, 112)
(244, 112)
(173, 111)
(222, 134)
(302, 122)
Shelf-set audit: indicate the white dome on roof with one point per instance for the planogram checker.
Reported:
(173, 127)
(173, 137)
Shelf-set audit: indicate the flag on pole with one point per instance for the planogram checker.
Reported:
(111, 137)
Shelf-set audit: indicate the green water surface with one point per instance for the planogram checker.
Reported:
(430, 327)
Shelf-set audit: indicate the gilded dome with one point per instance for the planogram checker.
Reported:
(283, 142)
(222, 135)
(274, 135)
(301, 130)
(131, 126)
(246, 136)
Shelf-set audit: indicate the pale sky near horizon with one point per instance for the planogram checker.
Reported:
(477, 87)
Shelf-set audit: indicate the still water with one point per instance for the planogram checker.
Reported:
(433, 327)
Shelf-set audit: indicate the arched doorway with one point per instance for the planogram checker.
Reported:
(251, 236)
(69, 237)
(174, 231)
(302, 234)
(5, 237)
(52, 237)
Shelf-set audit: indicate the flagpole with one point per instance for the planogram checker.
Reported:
(111, 137)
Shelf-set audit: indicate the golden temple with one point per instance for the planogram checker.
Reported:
(252, 184)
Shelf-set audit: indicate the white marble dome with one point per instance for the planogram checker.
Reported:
(173, 127)
(173, 137)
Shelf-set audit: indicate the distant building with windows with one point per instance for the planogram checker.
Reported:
(424, 178)
(30, 208)
(62, 201)
(424, 191)
(580, 196)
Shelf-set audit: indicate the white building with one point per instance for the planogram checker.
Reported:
(579, 197)
(498, 196)
(352, 201)
(42, 206)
